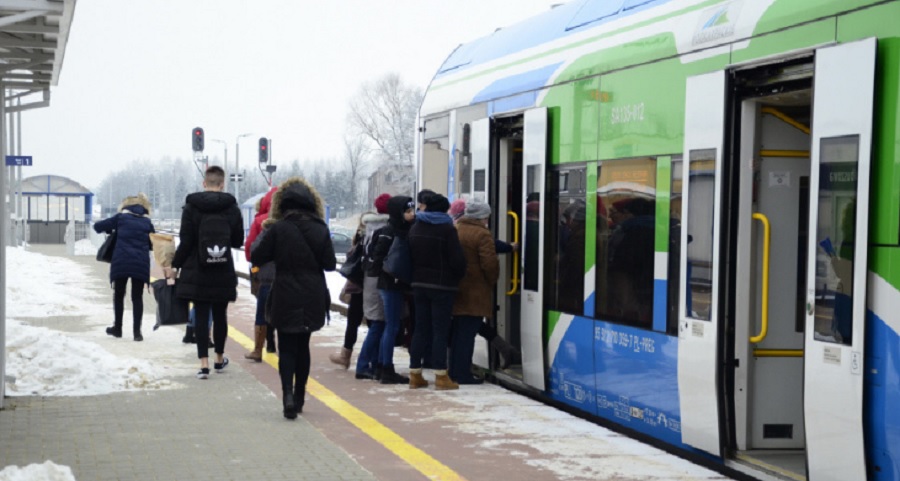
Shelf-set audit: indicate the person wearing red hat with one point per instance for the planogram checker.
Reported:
(262, 333)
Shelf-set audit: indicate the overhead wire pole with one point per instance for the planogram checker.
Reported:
(4, 232)
(237, 165)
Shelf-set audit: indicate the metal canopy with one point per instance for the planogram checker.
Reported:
(33, 37)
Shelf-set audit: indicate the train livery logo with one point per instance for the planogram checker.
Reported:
(717, 23)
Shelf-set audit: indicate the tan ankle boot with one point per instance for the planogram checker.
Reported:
(259, 338)
(442, 382)
(416, 380)
(341, 358)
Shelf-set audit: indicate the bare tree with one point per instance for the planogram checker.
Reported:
(384, 113)
(356, 155)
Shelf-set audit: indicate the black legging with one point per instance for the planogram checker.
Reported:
(354, 319)
(293, 361)
(137, 300)
(201, 327)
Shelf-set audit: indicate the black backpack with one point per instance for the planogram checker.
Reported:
(214, 240)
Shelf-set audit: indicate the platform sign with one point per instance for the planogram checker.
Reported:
(18, 160)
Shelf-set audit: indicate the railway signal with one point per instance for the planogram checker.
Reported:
(197, 141)
(263, 150)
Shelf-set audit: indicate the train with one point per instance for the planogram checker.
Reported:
(706, 195)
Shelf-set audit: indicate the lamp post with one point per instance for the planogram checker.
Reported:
(224, 164)
(237, 164)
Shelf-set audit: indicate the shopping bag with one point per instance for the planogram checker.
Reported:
(169, 308)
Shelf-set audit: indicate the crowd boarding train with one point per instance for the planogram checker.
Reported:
(707, 196)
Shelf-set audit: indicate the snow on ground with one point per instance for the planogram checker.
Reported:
(48, 471)
(37, 290)
(85, 247)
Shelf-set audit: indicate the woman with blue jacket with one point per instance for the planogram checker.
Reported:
(130, 259)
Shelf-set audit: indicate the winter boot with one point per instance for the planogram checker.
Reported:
(290, 409)
(270, 340)
(442, 382)
(341, 358)
(507, 352)
(137, 331)
(390, 376)
(260, 338)
(379, 370)
(299, 398)
(416, 380)
(115, 330)
(188, 336)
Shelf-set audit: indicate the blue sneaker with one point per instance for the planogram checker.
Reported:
(220, 366)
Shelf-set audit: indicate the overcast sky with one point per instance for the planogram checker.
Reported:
(140, 74)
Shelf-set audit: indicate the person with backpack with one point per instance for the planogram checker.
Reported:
(299, 243)
(391, 287)
(130, 259)
(211, 225)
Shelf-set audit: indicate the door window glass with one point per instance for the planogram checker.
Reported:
(835, 234)
(566, 220)
(532, 258)
(674, 268)
(698, 277)
(626, 229)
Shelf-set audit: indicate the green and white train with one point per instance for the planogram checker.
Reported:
(707, 194)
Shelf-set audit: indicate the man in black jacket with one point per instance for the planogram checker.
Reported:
(210, 226)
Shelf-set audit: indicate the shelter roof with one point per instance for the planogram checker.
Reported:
(53, 185)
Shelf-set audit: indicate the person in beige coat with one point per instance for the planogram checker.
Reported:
(474, 300)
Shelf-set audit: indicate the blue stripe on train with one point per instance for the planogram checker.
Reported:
(882, 398)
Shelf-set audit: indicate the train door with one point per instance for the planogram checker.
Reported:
(698, 302)
(836, 299)
(769, 214)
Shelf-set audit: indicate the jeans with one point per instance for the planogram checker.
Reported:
(433, 313)
(393, 311)
(293, 364)
(462, 346)
(368, 354)
(261, 296)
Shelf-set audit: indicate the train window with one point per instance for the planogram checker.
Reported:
(465, 160)
(674, 267)
(532, 256)
(626, 229)
(479, 181)
(700, 220)
(567, 220)
(835, 232)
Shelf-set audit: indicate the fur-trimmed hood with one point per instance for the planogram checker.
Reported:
(371, 217)
(297, 194)
(136, 204)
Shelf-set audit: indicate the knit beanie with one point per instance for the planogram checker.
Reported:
(437, 203)
(478, 210)
(381, 203)
(457, 208)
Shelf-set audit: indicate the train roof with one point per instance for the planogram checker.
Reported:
(519, 60)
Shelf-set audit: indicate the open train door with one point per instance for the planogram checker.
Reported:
(698, 338)
(838, 254)
(532, 298)
(480, 146)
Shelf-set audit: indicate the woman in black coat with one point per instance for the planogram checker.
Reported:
(130, 259)
(300, 245)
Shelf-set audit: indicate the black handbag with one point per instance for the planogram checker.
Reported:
(170, 309)
(352, 268)
(105, 252)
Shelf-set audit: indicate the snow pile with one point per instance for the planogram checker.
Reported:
(85, 247)
(43, 286)
(37, 472)
(50, 363)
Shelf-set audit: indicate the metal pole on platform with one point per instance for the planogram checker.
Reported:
(20, 222)
(4, 232)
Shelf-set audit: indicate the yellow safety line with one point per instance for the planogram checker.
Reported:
(418, 459)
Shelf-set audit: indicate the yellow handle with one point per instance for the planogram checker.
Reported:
(515, 272)
(765, 280)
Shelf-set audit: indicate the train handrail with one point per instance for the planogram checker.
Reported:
(764, 329)
(515, 273)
